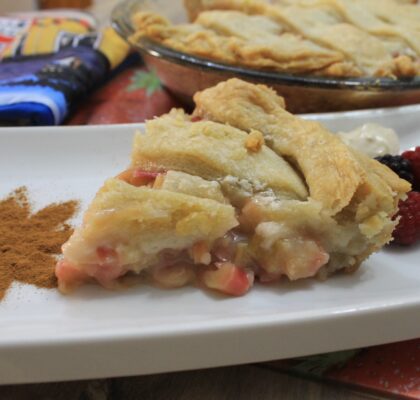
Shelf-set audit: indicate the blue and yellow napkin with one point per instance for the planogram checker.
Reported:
(48, 63)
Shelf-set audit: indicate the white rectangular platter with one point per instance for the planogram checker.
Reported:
(93, 333)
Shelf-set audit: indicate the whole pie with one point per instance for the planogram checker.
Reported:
(343, 38)
(241, 190)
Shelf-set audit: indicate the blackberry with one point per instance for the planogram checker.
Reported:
(400, 165)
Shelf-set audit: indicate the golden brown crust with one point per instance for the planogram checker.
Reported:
(195, 7)
(392, 180)
(254, 141)
(181, 182)
(381, 41)
(213, 151)
(315, 150)
(344, 184)
(227, 37)
(143, 221)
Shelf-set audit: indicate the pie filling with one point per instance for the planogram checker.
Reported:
(255, 249)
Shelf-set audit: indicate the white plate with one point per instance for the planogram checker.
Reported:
(96, 333)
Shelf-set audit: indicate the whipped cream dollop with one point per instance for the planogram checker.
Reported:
(372, 139)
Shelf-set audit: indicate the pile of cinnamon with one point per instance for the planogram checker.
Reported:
(30, 242)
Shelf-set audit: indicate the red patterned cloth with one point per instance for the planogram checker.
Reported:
(391, 370)
(133, 95)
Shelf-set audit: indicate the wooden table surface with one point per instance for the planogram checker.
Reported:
(249, 382)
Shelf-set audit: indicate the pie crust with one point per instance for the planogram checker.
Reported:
(343, 38)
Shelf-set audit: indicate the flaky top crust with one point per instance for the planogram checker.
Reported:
(333, 172)
(347, 38)
(144, 221)
(213, 151)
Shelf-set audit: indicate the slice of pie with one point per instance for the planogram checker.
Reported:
(239, 191)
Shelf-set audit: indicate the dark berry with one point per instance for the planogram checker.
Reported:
(400, 165)
(408, 229)
(413, 156)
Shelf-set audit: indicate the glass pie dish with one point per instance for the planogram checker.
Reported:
(185, 74)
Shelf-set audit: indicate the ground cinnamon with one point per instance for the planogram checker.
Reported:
(30, 242)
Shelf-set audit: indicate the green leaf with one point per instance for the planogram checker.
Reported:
(319, 364)
(145, 80)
